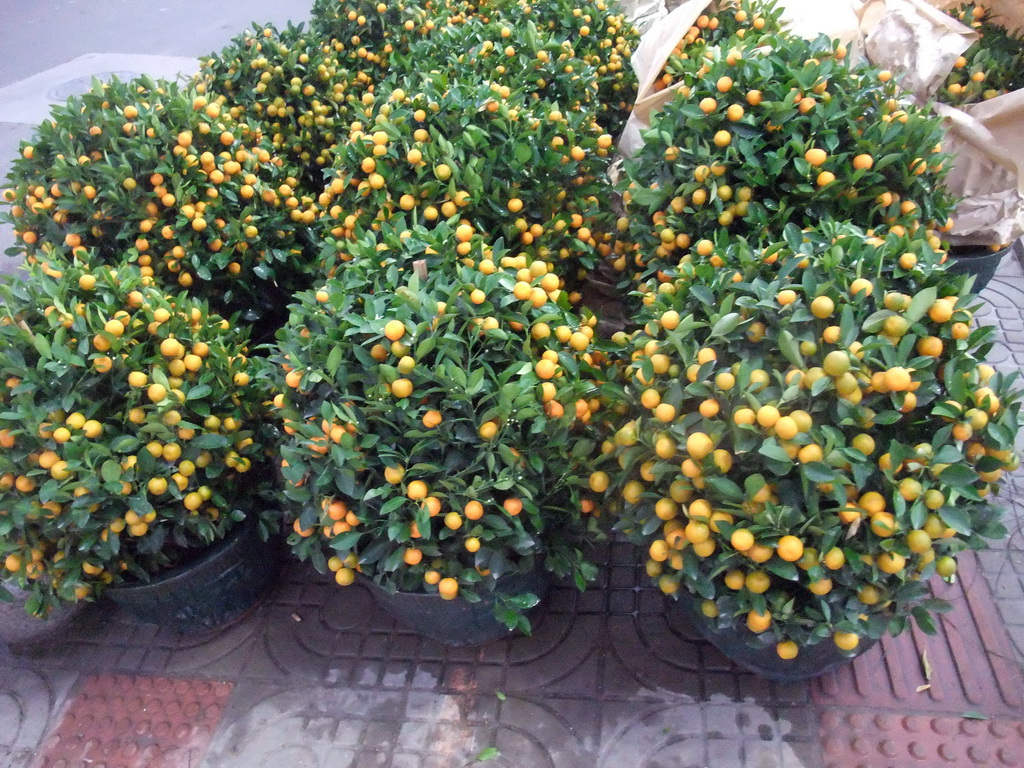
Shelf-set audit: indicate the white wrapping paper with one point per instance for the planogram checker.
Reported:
(808, 18)
(987, 144)
(915, 39)
(985, 139)
(644, 13)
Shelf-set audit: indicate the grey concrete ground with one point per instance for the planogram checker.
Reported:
(41, 34)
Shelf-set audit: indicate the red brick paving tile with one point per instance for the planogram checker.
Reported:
(130, 722)
(971, 659)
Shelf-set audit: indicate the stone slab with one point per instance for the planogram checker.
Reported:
(30, 100)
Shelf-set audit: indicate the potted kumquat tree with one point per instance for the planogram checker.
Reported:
(770, 130)
(812, 434)
(149, 173)
(430, 420)
(130, 427)
(991, 68)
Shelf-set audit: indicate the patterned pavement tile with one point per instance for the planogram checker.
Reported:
(105, 639)
(695, 734)
(332, 681)
(29, 701)
(1003, 566)
(1004, 308)
(340, 727)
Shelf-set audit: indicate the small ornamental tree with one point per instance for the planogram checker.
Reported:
(600, 34)
(431, 425)
(785, 132)
(511, 53)
(812, 433)
(365, 33)
(146, 172)
(522, 170)
(292, 88)
(562, 52)
(130, 426)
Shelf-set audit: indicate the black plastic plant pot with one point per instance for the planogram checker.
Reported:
(457, 622)
(19, 628)
(210, 591)
(976, 260)
(741, 646)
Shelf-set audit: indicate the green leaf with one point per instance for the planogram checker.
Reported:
(753, 484)
(888, 160)
(209, 440)
(487, 754)
(726, 487)
(789, 347)
(201, 391)
(42, 345)
(956, 518)
(704, 295)
(924, 620)
(817, 472)
(125, 444)
(972, 715)
(110, 471)
(726, 324)
(874, 322)
(773, 450)
(947, 454)
(958, 474)
(920, 304)
(783, 569)
(391, 505)
(523, 152)
(334, 360)
(887, 417)
(425, 347)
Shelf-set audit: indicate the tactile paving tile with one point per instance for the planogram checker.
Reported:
(117, 721)
(873, 741)
(884, 709)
